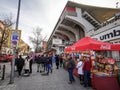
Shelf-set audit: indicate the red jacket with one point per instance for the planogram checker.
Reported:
(87, 65)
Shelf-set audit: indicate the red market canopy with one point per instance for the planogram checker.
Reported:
(88, 43)
(68, 49)
(115, 47)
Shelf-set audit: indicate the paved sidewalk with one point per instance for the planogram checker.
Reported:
(58, 80)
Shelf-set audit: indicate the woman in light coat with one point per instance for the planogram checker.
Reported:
(26, 65)
(80, 71)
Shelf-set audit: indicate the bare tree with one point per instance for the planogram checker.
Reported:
(37, 39)
(7, 24)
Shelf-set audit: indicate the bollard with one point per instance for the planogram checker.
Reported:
(0, 72)
(3, 74)
(0, 67)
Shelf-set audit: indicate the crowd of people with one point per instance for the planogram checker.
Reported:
(45, 65)
(21, 63)
(83, 65)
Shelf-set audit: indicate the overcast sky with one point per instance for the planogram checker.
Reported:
(42, 13)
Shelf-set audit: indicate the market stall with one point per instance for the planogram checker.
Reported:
(105, 70)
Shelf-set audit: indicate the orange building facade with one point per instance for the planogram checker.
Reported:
(22, 47)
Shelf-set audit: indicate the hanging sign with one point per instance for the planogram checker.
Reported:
(15, 36)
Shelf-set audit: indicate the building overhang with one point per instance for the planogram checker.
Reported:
(99, 14)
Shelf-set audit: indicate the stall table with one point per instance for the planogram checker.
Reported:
(105, 82)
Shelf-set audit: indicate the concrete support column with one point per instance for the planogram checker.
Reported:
(77, 34)
(77, 37)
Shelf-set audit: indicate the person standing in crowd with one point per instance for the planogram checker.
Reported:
(26, 65)
(16, 58)
(38, 61)
(80, 70)
(42, 60)
(20, 64)
(53, 59)
(70, 68)
(57, 61)
(87, 71)
(61, 60)
(30, 65)
(50, 58)
(45, 62)
(49, 65)
(35, 58)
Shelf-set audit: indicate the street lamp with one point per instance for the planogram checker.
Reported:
(14, 49)
(18, 13)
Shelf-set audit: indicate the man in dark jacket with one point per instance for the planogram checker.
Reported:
(48, 64)
(70, 67)
(44, 62)
(57, 61)
(39, 61)
(20, 64)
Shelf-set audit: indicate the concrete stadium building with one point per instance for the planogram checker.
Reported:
(78, 20)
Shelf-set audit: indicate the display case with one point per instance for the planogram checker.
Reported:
(105, 74)
(106, 65)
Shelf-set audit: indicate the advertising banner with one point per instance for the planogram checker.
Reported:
(108, 35)
(57, 41)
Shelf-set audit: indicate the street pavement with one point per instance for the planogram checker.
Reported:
(58, 80)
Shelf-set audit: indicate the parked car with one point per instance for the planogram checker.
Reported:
(9, 57)
(5, 57)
